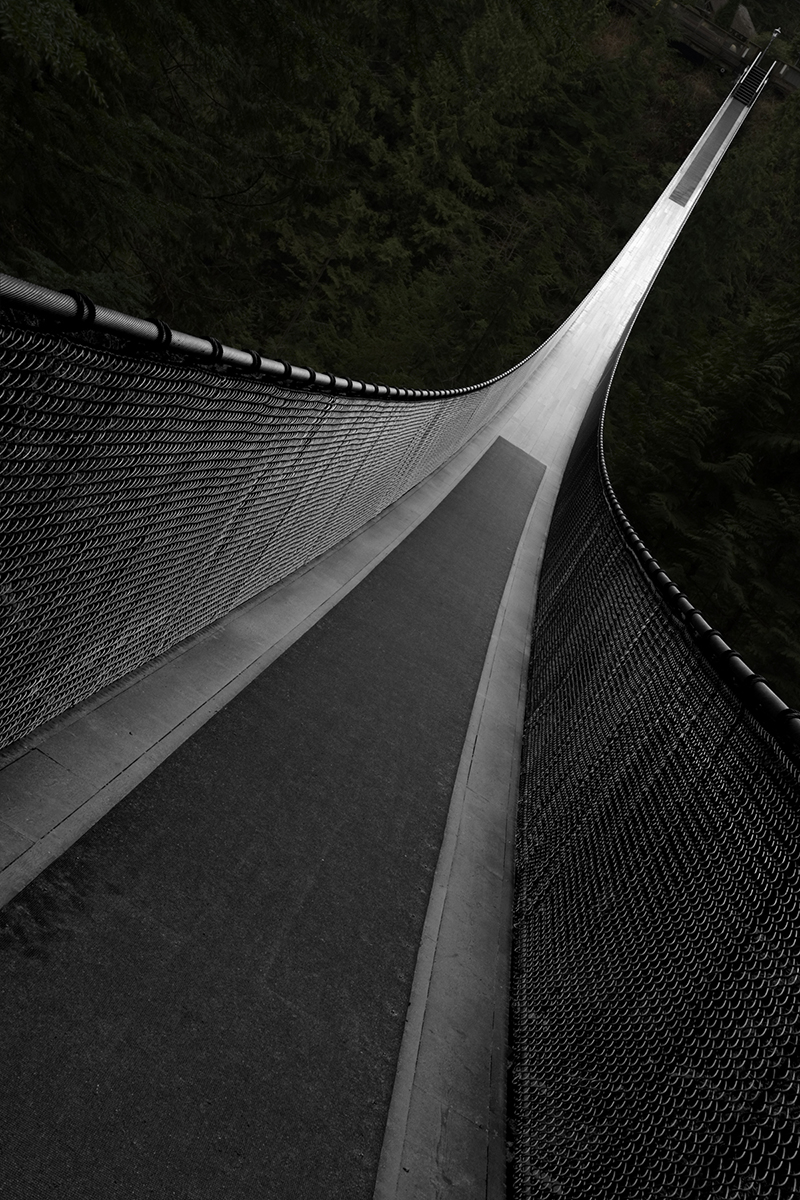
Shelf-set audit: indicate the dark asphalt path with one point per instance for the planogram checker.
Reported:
(204, 998)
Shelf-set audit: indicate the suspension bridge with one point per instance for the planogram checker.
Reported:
(293, 661)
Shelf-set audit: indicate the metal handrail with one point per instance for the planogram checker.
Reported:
(78, 311)
(782, 721)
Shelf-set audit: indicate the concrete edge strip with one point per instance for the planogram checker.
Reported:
(396, 1180)
(415, 505)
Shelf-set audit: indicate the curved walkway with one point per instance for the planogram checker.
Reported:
(205, 996)
(209, 993)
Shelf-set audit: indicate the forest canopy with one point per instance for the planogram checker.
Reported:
(420, 193)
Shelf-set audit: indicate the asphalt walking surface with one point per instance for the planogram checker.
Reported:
(204, 998)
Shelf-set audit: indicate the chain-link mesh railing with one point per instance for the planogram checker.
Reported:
(656, 1044)
(145, 496)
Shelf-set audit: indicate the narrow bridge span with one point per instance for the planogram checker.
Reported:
(286, 616)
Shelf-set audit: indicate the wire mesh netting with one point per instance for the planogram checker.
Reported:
(655, 990)
(656, 1045)
(144, 497)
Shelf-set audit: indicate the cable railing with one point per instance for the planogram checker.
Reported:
(656, 939)
(154, 481)
(655, 1001)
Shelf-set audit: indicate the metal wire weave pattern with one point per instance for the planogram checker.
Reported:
(144, 498)
(656, 968)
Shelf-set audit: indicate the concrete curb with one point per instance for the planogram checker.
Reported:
(446, 1133)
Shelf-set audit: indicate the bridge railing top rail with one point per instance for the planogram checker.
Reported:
(780, 720)
(77, 311)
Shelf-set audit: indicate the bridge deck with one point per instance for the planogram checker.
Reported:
(167, 1036)
(206, 994)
